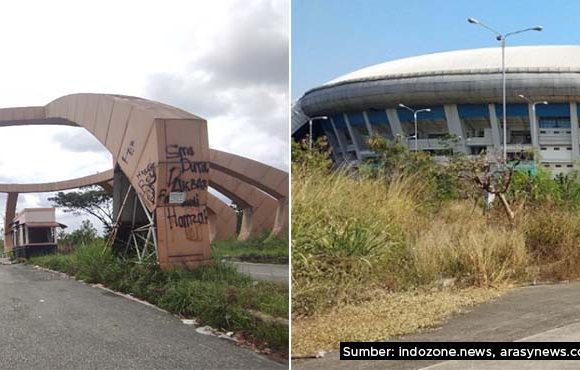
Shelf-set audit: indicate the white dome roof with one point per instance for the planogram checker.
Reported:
(542, 58)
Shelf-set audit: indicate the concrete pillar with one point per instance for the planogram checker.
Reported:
(368, 123)
(8, 218)
(494, 127)
(339, 139)
(534, 127)
(332, 141)
(212, 223)
(395, 123)
(246, 228)
(354, 136)
(574, 131)
(222, 219)
(281, 220)
(455, 126)
(181, 158)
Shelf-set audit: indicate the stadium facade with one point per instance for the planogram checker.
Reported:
(463, 90)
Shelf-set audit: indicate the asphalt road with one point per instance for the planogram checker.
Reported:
(48, 321)
(265, 271)
(535, 313)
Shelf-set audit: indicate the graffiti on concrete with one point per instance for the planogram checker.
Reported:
(186, 220)
(128, 152)
(184, 175)
(186, 179)
(177, 183)
(183, 155)
(147, 178)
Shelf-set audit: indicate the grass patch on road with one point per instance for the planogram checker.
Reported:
(215, 295)
(259, 250)
(387, 315)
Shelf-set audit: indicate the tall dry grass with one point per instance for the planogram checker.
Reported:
(458, 242)
(553, 241)
(347, 233)
(353, 236)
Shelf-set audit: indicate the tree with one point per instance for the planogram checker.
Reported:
(92, 200)
(315, 159)
(493, 176)
(459, 176)
(84, 235)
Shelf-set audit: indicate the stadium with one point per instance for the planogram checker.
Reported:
(457, 93)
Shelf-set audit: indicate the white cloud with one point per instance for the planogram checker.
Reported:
(239, 82)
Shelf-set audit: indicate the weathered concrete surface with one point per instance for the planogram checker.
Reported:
(49, 321)
(568, 333)
(268, 179)
(519, 314)
(265, 271)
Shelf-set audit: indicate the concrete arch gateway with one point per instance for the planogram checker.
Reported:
(162, 153)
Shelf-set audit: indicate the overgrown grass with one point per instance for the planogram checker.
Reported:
(347, 234)
(261, 249)
(459, 242)
(354, 238)
(216, 295)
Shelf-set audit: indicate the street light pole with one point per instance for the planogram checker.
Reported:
(533, 118)
(310, 129)
(415, 112)
(504, 103)
(501, 38)
(415, 119)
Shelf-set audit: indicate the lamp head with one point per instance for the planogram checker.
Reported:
(521, 96)
(472, 20)
(428, 110)
(538, 28)
(402, 105)
(544, 102)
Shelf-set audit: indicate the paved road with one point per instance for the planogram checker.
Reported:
(48, 321)
(265, 271)
(537, 313)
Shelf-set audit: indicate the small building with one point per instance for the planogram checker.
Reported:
(34, 232)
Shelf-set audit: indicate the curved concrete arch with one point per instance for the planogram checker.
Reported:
(162, 150)
(266, 178)
(222, 219)
(97, 179)
(14, 189)
(154, 144)
(257, 207)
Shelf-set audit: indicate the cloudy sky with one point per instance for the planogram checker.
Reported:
(226, 61)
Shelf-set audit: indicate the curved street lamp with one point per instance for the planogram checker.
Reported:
(415, 112)
(501, 38)
(310, 119)
(533, 118)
